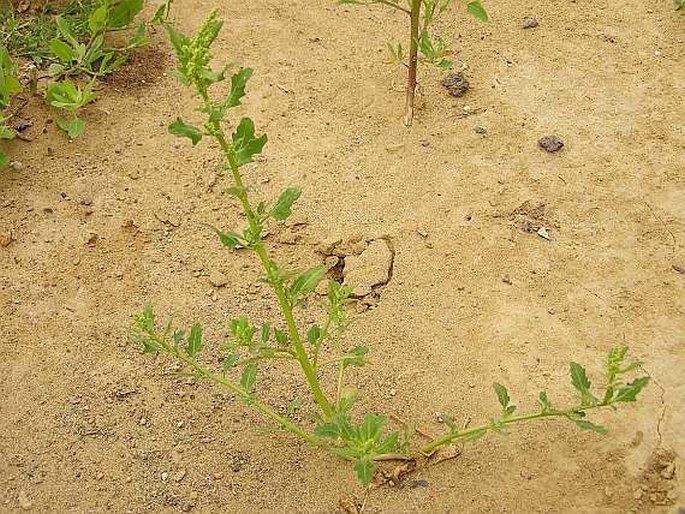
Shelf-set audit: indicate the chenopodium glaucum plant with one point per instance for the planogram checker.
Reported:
(9, 85)
(365, 439)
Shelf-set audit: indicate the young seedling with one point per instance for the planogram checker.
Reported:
(9, 85)
(320, 350)
(421, 14)
(67, 96)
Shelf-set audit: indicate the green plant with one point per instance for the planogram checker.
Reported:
(421, 13)
(9, 85)
(365, 439)
(93, 57)
(69, 97)
(679, 4)
(28, 35)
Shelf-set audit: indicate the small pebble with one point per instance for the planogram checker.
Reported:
(480, 130)
(530, 23)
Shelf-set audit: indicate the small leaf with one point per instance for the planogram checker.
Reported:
(502, 395)
(281, 337)
(62, 50)
(582, 383)
(314, 334)
(305, 283)
(355, 357)
(371, 428)
(4, 160)
(238, 82)
(327, 430)
(194, 344)
(228, 239)
(249, 377)
(74, 128)
(122, 13)
(67, 31)
(6, 132)
(364, 469)
(587, 425)
(182, 129)
(283, 206)
(229, 362)
(477, 10)
(545, 404)
(245, 144)
(97, 21)
(235, 191)
(178, 337)
(629, 393)
(266, 332)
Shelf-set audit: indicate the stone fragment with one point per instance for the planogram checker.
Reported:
(370, 268)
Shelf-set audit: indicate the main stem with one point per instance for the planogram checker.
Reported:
(258, 247)
(413, 62)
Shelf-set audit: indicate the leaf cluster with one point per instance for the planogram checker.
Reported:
(9, 86)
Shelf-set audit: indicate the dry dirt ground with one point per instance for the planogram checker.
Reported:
(101, 226)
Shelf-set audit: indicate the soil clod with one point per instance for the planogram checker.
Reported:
(551, 143)
(456, 83)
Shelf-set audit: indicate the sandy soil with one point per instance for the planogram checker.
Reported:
(104, 225)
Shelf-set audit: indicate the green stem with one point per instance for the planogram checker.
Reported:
(258, 405)
(464, 434)
(413, 61)
(394, 6)
(276, 282)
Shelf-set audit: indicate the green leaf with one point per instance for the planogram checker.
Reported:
(502, 395)
(74, 128)
(6, 132)
(65, 28)
(182, 129)
(629, 393)
(229, 239)
(305, 283)
(283, 206)
(477, 10)
(97, 21)
(4, 160)
(371, 428)
(62, 50)
(249, 377)
(587, 425)
(364, 469)
(245, 144)
(314, 334)
(194, 344)
(582, 383)
(355, 356)
(281, 337)
(266, 332)
(238, 83)
(545, 404)
(229, 362)
(122, 13)
(327, 430)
